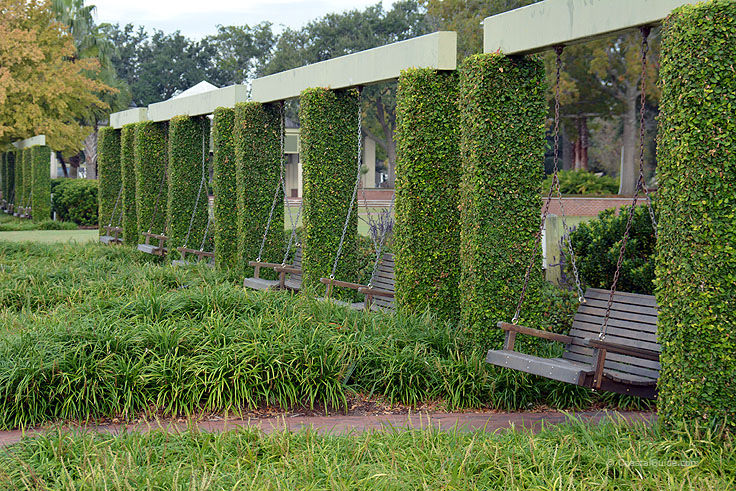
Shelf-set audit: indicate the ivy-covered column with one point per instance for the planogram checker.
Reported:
(189, 150)
(109, 177)
(10, 174)
(696, 248)
(502, 118)
(27, 177)
(258, 160)
(4, 174)
(41, 189)
(150, 154)
(427, 237)
(18, 178)
(225, 186)
(127, 174)
(329, 153)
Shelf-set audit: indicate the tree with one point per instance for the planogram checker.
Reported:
(44, 88)
(239, 51)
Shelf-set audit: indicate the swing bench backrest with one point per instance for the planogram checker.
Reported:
(381, 295)
(290, 277)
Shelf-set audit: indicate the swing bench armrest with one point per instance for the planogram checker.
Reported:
(263, 265)
(551, 336)
(341, 284)
(375, 292)
(621, 349)
(287, 269)
(155, 236)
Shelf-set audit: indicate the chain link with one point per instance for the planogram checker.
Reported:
(379, 249)
(155, 206)
(112, 216)
(644, 50)
(355, 188)
(199, 192)
(278, 186)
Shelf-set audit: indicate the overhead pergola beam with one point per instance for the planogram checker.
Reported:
(437, 50)
(198, 104)
(542, 25)
(129, 116)
(30, 142)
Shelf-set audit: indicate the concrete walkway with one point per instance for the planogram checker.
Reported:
(339, 425)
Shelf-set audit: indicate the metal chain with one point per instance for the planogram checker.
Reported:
(279, 185)
(206, 232)
(555, 182)
(644, 50)
(639, 186)
(355, 189)
(155, 205)
(199, 192)
(114, 209)
(379, 251)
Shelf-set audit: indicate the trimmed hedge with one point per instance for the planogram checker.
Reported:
(257, 155)
(502, 127)
(427, 237)
(696, 250)
(109, 177)
(150, 155)
(75, 200)
(28, 177)
(225, 186)
(329, 143)
(127, 174)
(41, 188)
(189, 149)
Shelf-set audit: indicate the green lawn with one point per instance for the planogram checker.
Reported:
(50, 236)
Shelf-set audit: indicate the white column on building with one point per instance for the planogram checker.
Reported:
(369, 161)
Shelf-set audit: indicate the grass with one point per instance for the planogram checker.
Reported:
(51, 236)
(570, 456)
(94, 331)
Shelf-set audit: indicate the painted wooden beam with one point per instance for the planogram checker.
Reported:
(542, 25)
(30, 142)
(129, 116)
(198, 104)
(437, 50)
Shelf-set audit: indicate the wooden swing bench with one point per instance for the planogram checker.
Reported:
(626, 361)
(294, 282)
(113, 235)
(194, 252)
(378, 296)
(156, 250)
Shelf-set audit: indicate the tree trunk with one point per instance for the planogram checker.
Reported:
(628, 162)
(61, 160)
(584, 143)
(90, 154)
(388, 125)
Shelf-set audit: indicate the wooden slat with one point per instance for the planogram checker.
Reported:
(552, 336)
(260, 283)
(588, 329)
(638, 363)
(582, 338)
(552, 368)
(615, 365)
(621, 307)
(634, 350)
(623, 297)
(623, 324)
(615, 314)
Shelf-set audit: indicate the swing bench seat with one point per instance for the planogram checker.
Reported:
(626, 361)
(258, 283)
(290, 277)
(113, 235)
(379, 296)
(210, 261)
(156, 250)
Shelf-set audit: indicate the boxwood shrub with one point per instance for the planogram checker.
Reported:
(427, 237)
(41, 187)
(225, 187)
(696, 249)
(502, 119)
(257, 155)
(150, 154)
(28, 177)
(189, 152)
(329, 145)
(75, 200)
(127, 174)
(109, 177)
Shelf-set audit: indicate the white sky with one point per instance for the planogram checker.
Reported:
(198, 18)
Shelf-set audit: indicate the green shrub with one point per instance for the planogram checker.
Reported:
(75, 200)
(502, 118)
(225, 187)
(583, 182)
(41, 188)
(427, 236)
(257, 154)
(189, 144)
(597, 243)
(329, 144)
(127, 170)
(150, 154)
(696, 250)
(110, 178)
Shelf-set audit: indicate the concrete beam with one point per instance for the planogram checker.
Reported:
(542, 25)
(437, 50)
(198, 104)
(129, 116)
(30, 142)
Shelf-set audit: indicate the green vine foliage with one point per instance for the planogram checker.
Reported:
(127, 174)
(10, 172)
(225, 185)
(109, 177)
(20, 157)
(4, 174)
(189, 149)
(150, 154)
(257, 159)
(329, 143)
(28, 177)
(427, 237)
(502, 118)
(41, 188)
(696, 249)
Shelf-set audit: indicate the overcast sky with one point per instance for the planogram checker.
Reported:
(197, 18)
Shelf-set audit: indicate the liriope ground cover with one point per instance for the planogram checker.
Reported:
(94, 331)
(569, 456)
